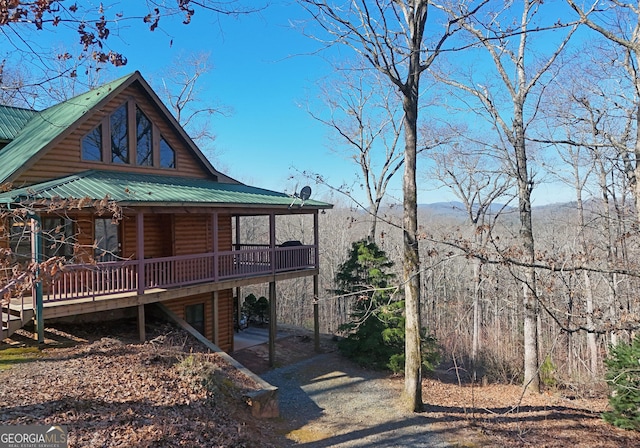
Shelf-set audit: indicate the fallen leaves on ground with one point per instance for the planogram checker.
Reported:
(502, 416)
(111, 393)
(114, 393)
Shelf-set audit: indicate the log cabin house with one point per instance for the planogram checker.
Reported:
(175, 238)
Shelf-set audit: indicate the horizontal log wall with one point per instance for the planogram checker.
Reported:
(178, 308)
(128, 237)
(158, 235)
(65, 158)
(193, 234)
(225, 235)
(84, 237)
(225, 315)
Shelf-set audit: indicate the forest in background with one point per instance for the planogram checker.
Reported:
(496, 99)
(588, 278)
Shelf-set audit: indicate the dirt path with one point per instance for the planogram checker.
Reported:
(327, 401)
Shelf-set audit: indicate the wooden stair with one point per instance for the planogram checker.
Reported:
(14, 312)
(15, 316)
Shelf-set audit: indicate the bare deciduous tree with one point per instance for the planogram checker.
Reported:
(509, 49)
(619, 23)
(365, 116)
(180, 88)
(391, 35)
(479, 181)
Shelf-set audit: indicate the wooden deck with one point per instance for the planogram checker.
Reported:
(81, 289)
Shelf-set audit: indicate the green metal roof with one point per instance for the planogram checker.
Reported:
(45, 126)
(143, 189)
(13, 120)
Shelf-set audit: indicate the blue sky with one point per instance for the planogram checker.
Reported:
(264, 71)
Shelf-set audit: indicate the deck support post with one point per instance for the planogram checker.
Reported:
(141, 323)
(316, 289)
(316, 316)
(140, 250)
(273, 324)
(216, 319)
(36, 255)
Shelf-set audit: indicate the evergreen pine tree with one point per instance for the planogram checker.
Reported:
(375, 334)
(623, 375)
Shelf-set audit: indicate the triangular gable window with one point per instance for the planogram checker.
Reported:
(167, 155)
(92, 145)
(144, 146)
(128, 136)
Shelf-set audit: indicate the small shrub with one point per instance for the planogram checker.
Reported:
(500, 368)
(203, 374)
(548, 373)
(255, 309)
(623, 376)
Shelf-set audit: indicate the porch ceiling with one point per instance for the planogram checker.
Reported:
(135, 189)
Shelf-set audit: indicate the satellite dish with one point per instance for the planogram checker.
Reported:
(305, 193)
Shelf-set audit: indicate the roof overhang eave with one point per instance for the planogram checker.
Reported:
(179, 204)
(220, 205)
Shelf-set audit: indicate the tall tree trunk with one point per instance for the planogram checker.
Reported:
(411, 259)
(475, 341)
(591, 336)
(529, 299)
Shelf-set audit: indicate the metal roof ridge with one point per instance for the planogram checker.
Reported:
(108, 86)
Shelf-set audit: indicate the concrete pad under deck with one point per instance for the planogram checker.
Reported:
(252, 336)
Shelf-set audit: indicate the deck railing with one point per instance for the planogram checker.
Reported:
(5, 301)
(81, 281)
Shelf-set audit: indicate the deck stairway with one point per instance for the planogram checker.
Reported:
(15, 312)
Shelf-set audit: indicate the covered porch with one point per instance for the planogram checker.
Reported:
(184, 242)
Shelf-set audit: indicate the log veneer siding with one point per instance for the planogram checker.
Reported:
(65, 157)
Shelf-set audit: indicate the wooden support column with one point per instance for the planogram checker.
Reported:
(141, 281)
(216, 320)
(273, 324)
(141, 323)
(36, 258)
(316, 316)
(237, 242)
(215, 247)
(238, 292)
(316, 311)
(140, 250)
(316, 240)
(272, 241)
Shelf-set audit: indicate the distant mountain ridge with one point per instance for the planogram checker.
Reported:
(457, 207)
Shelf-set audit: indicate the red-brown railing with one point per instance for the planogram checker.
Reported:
(79, 281)
(100, 279)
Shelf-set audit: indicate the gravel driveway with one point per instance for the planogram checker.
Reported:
(327, 401)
